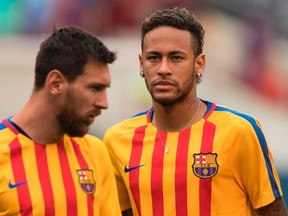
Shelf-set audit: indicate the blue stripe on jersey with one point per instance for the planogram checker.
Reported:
(139, 114)
(263, 145)
(2, 126)
(209, 105)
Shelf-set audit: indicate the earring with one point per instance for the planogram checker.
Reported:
(198, 77)
(142, 74)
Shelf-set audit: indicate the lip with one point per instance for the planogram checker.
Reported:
(163, 84)
(91, 119)
(93, 116)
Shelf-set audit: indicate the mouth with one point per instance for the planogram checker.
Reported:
(92, 116)
(163, 85)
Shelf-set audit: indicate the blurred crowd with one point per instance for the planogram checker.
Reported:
(265, 69)
(101, 16)
(34, 16)
(263, 65)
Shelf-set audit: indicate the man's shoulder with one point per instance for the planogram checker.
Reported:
(127, 127)
(132, 122)
(226, 118)
(230, 114)
(6, 134)
(2, 126)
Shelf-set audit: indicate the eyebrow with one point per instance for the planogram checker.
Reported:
(170, 53)
(99, 85)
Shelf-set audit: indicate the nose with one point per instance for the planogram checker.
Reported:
(164, 67)
(101, 100)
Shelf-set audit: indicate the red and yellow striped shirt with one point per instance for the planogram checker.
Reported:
(221, 165)
(72, 177)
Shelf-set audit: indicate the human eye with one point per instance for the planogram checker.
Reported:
(98, 88)
(153, 58)
(176, 58)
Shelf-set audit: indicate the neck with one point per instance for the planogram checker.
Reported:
(36, 120)
(177, 117)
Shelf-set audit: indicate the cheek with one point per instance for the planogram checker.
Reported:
(150, 71)
(150, 66)
(148, 79)
(78, 101)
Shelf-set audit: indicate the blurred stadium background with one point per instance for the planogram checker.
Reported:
(246, 46)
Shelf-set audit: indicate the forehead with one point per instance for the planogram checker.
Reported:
(95, 72)
(167, 38)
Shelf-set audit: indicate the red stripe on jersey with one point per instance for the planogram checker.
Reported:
(44, 178)
(148, 116)
(181, 173)
(135, 157)
(205, 186)
(17, 163)
(67, 180)
(157, 175)
(209, 111)
(83, 165)
(7, 124)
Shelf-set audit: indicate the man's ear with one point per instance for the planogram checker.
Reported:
(55, 82)
(140, 62)
(200, 63)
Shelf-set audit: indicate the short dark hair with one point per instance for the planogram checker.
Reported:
(180, 18)
(68, 49)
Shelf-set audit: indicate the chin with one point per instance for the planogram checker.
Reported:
(84, 132)
(165, 100)
(79, 133)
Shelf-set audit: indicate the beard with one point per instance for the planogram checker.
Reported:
(71, 122)
(179, 96)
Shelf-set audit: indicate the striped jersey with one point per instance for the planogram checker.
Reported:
(72, 177)
(221, 165)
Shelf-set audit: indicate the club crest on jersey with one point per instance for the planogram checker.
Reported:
(205, 165)
(86, 181)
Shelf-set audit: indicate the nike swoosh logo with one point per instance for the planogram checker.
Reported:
(11, 186)
(126, 169)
